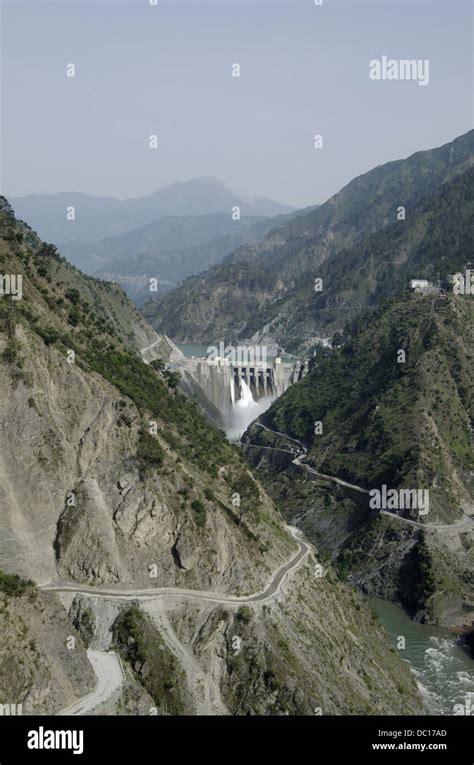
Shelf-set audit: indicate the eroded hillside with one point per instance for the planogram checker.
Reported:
(111, 478)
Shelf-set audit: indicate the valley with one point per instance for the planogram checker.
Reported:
(236, 380)
(129, 488)
(233, 490)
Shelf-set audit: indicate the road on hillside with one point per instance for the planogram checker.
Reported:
(109, 673)
(272, 589)
(466, 523)
(107, 665)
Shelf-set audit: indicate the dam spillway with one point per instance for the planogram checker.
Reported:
(220, 378)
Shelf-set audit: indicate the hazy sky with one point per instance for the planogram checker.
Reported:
(142, 69)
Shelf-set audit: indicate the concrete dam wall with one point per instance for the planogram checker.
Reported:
(220, 378)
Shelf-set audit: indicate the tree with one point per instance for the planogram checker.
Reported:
(6, 208)
(48, 251)
(73, 295)
(157, 364)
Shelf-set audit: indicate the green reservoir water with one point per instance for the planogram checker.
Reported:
(444, 672)
(198, 350)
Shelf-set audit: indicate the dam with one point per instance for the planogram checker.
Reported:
(227, 382)
(221, 379)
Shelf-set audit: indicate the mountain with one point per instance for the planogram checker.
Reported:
(111, 478)
(165, 235)
(256, 291)
(87, 414)
(403, 424)
(170, 250)
(100, 217)
(434, 241)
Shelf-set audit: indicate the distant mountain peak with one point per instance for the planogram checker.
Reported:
(98, 217)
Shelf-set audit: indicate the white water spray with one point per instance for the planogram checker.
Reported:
(245, 410)
(246, 398)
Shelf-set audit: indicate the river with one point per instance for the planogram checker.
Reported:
(444, 672)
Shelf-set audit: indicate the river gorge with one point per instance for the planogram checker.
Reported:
(443, 669)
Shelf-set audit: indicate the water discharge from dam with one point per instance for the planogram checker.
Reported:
(240, 388)
(244, 410)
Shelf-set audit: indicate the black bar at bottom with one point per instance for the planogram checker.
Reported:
(137, 739)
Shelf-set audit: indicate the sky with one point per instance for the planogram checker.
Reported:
(167, 70)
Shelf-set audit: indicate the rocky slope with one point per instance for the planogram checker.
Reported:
(43, 662)
(262, 291)
(109, 475)
(115, 501)
(281, 657)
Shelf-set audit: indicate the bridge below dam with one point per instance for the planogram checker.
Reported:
(224, 382)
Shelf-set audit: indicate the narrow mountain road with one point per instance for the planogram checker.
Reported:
(149, 348)
(107, 665)
(272, 589)
(333, 478)
(108, 670)
(466, 523)
(288, 438)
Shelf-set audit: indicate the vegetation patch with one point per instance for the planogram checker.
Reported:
(140, 644)
(13, 585)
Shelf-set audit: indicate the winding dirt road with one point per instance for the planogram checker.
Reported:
(107, 664)
(109, 673)
(272, 589)
(466, 523)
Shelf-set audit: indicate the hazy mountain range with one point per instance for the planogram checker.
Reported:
(169, 250)
(179, 230)
(100, 217)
